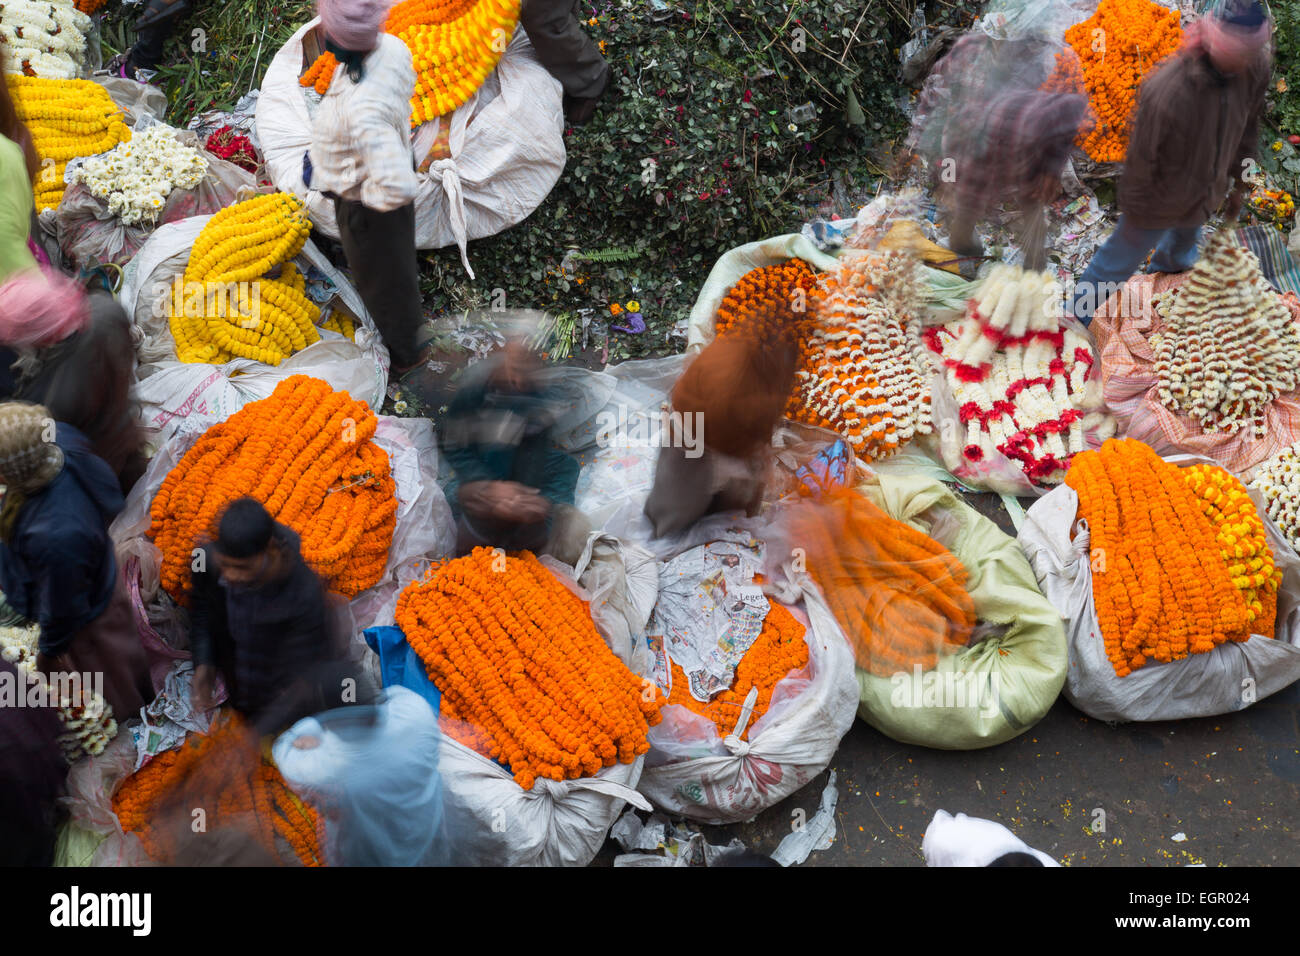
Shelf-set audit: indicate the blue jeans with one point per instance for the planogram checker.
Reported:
(1123, 254)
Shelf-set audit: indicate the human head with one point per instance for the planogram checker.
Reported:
(246, 546)
(39, 309)
(1234, 35)
(353, 24)
(29, 457)
(517, 367)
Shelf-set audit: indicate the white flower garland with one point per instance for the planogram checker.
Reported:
(135, 178)
(1278, 480)
(1023, 382)
(1229, 347)
(88, 728)
(46, 38)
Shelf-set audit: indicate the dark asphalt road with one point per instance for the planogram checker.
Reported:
(1230, 784)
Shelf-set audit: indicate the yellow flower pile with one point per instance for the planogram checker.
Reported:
(1240, 535)
(454, 45)
(228, 305)
(341, 323)
(453, 48)
(67, 119)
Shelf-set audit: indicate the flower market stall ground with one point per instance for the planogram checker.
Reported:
(1214, 791)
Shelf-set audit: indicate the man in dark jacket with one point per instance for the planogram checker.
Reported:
(1195, 134)
(510, 479)
(259, 618)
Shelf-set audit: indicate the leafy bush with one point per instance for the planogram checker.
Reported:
(700, 145)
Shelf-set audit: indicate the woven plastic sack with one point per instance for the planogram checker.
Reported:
(506, 146)
(1223, 681)
(90, 235)
(1123, 328)
(695, 771)
(996, 688)
(169, 390)
(425, 528)
(491, 820)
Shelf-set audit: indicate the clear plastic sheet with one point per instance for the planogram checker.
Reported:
(371, 772)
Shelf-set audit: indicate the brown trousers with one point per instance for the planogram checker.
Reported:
(564, 48)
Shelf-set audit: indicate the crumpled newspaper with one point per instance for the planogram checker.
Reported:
(681, 847)
(710, 612)
(170, 716)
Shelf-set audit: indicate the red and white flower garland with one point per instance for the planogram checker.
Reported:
(1026, 386)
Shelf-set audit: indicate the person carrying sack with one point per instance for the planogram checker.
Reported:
(360, 156)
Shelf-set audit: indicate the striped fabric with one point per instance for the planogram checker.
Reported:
(1129, 382)
(1269, 246)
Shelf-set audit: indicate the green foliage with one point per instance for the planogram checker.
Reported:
(692, 152)
(1286, 66)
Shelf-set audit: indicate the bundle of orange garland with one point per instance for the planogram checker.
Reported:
(1117, 47)
(225, 774)
(454, 44)
(1181, 564)
(307, 454)
(525, 677)
(772, 304)
(779, 650)
(899, 596)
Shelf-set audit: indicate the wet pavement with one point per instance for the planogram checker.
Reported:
(1083, 791)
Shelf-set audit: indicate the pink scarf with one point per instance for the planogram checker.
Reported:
(1212, 36)
(39, 309)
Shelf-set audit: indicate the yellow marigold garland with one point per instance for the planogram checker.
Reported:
(306, 453)
(67, 119)
(524, 675)
(454, 44)
(227, 305)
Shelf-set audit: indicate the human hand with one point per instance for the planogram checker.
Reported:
(1232, 211)
(202, 686)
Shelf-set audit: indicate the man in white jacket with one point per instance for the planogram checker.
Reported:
(361, 157)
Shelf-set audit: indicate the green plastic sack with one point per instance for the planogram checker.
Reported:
(1000, 687)
(76, 846)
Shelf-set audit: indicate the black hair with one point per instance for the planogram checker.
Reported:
(1017, 859)
(246, 529)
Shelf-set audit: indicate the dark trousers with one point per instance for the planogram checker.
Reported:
(563, 47)
(148, 50)
(380, 247)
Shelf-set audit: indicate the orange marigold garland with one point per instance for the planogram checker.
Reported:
(779, 650)
(1117, 47)
(228, 765)
(320, 73)
(307, 454)
(524, 675)
(1162, 586)
(899, 596)
(771, 303)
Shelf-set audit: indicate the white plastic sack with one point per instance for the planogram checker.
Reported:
(425, 528)
(169, 390)
(491, 820)
(372, 774)
(693, 771)
(506, 144)
(1223, 681)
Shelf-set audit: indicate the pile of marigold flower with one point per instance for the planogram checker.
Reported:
(772, 304)
(228, 305)
(1117, 47)
(899, 596)
(863, 373)
(525, 677)
(778, 650)
(67, 119)
(225, 773)
(1182, 565)
(307, 454)
(454, 44)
